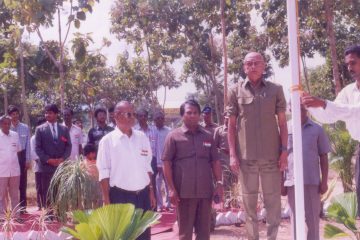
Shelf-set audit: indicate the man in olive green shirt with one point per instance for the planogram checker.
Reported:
(257, 138)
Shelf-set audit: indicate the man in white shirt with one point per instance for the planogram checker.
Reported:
(76, 134)
(9, 164)
(124, 163)
(345, 107)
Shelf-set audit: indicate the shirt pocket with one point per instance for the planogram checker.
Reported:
(268, 103)
(245, 104)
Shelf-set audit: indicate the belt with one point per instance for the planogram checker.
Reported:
(137, 192)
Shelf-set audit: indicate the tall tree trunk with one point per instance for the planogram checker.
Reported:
(6, 101)
(213, 80)
(22, 80)
(329, 13)
(223, 29)
(305, 74)
(61, 67)
(150, 76)
(163, 108)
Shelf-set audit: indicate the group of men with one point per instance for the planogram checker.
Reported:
(254, 141)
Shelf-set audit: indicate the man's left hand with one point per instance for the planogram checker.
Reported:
(323, 187)
(219, 190)
(283, 161)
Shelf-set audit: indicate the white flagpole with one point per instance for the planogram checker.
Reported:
(296, 118)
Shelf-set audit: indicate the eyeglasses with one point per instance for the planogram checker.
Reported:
(128, 114)
(253, 63)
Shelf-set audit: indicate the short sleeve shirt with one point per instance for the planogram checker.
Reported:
(191, 154)
(256, 109)
(314, 143)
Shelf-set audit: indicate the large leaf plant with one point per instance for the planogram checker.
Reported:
(343, 210)
(111, 222)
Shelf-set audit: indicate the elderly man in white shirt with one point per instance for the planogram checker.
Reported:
(9, 164)
(346, 106)
(124, 163)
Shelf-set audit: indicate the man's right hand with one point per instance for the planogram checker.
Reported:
(311, 101)
(174, 197)
(234, 164)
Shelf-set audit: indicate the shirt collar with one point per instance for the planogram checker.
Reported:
(119, 134)
(55, 124)
(247, 82)
(308, 122)
(186, 130)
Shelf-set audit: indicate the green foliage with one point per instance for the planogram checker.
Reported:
(112, 222)
(343, 209)
(343, 148)
(72, 188)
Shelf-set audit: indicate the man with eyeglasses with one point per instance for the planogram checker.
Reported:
(124, 163)
(257, 136)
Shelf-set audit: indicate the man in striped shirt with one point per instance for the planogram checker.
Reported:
(24, 155)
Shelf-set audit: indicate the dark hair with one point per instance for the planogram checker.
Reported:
(142, 110)
(111, 109)
(89, 148)
(12, 109)
(40, 121)
(68, 110)
(3, 117)
(353, 49)
(52, 108)
(191, 102)
(99, 110)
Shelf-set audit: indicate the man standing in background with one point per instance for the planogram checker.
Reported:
(208, 123)
(24, 155)
(75, 134)
(53, 146)
(101, 129)
(150, 131)
(161, 131)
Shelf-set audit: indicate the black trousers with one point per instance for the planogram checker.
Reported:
(38, 187)
(140, 200)
(45, 183)
(23, 178)
(153, 177)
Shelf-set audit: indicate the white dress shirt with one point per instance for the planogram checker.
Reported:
(9, 147)
(76, 137)
(125, 160)
(33, 156)
(346, 107)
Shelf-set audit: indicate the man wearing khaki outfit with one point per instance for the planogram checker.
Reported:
(258, 142)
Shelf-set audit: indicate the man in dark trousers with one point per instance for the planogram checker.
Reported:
(24, 155)
(53, 146)
(190, 163)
